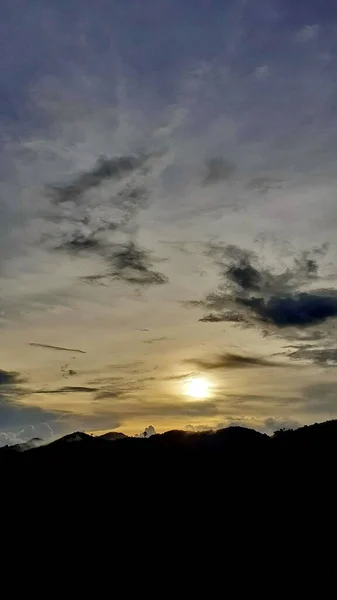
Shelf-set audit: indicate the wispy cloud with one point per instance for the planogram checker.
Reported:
(105, 169)
(69, 389)
(50, 347)
(154, 340)
(217, 170)
(323, 357)
(231, 361)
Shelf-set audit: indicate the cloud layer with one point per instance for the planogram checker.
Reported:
(184, 163)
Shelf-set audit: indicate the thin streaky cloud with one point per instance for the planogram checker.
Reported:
(50, 347)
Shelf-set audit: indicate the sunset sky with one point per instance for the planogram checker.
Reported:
(168, 215)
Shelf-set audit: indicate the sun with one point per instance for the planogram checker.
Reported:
(198, 387)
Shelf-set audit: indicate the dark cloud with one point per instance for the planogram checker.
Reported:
(306, 336)
(67, 371)
(216, 170)
(48, 346)
(108, 394)
(224, 317)
(244, 275)
(130, 264)
(25, 422)
(253, 294)
(69, 389)
(296, 310)
(81, 243)
(88, 238)
(10, 378)
(133, 265)
(231, 361)
(105, 169)
(19, 421)
(241, 270)
(96, 279)
(323, 357)
(11, 388)
(89, 233)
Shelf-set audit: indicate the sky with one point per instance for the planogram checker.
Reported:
(168, 215)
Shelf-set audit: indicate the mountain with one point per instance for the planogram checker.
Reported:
(70, 438)
(227, 465)
(23, 446)
(112, 436)
(259, 489)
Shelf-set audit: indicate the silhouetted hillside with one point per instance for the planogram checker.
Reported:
(178, 459)
(176, 487)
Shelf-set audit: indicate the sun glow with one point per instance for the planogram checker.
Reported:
(198, 387)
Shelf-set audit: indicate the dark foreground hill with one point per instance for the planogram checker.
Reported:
(230, 458)
(230, 495)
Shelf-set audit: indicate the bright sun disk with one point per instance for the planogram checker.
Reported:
(197, 387)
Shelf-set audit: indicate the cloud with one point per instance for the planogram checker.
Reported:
(308, 33)
(299, 309)
(10, 378)
(263, 185)
(18, 420)
(68, 389)
(133, 265)
(48, 346)
(153, 340)
(323, 357)
(130, 264)
(224, 317)
(109, 394)
(231, 361)
(105, 169)
(121, 387)
(217, 170)
(81, 243)
(261, 72)
(103, 204)
(148, 432)
(319, 398)
(11, 388)
(253, 294)
(81, 204)
(180, 377)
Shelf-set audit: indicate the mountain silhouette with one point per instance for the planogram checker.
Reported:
(252, 485)
(234, 449)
